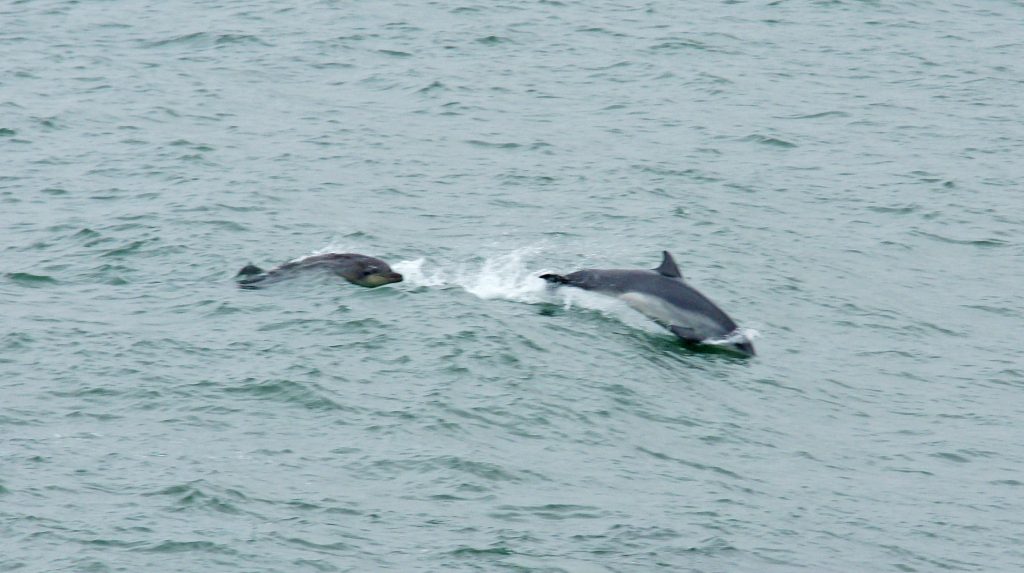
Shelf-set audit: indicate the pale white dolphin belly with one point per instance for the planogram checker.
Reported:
(668, 314)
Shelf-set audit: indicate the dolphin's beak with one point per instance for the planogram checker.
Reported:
(746, 347)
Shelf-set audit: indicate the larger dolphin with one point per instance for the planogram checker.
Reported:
(661, 294)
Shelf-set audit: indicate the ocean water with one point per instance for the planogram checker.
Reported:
(842, 177)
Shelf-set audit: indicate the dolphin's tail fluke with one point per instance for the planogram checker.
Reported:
(249, 270)
(555, 279)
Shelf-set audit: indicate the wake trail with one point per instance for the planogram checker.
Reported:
(515, 276)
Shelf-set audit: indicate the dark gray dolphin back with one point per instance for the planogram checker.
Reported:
(358, 269)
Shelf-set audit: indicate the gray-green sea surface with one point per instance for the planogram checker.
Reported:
(844, 178)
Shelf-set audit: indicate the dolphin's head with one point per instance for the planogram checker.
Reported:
(737, 341)
(369, 272)
(745, 347)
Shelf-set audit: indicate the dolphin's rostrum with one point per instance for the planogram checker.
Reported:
(663, 295)
(355, 268)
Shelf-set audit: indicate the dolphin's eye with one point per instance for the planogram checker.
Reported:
(369, 271)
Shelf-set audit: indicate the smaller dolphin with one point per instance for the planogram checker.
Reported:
(357, 269)
(661, 294)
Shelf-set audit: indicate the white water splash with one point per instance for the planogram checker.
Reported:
(738, 336)
(413, 273)
(501, 277)
(506, 277)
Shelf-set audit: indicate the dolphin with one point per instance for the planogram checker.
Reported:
(663, 295)
(357, 269)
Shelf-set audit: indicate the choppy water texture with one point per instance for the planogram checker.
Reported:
(842, 177)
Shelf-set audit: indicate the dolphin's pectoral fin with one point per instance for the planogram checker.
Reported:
(686, 334)
(668, 267)
(555, 279)
(249, 270)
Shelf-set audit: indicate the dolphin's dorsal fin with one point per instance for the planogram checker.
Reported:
(668, 267)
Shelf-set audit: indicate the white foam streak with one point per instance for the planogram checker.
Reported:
(502, 277)
(413, 273)
(505, 277)
(738, 336)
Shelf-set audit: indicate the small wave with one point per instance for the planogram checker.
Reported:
(493, 40)
(203, 40)
(395, 53)
(495, 145)
(171, 546)
(202, 496)
(551, 511)
(307, 396)
(130, 249)
(769, 140)
(894, 209)
(677, 45)
(29, 279)
(815, 115)
(475, 552)
(316, 546)
(983, 242)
